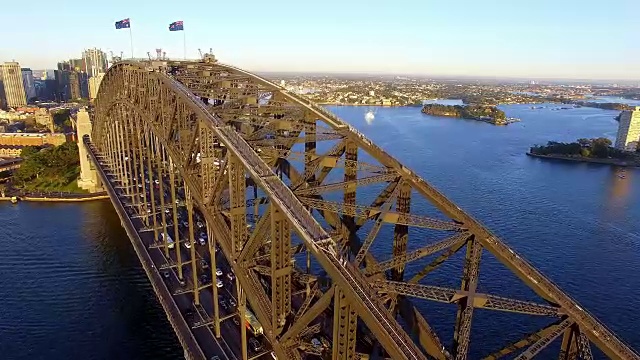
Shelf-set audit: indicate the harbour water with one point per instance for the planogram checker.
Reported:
(72, 287)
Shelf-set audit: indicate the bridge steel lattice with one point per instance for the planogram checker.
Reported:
(227, 134)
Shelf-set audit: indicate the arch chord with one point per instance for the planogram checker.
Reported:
(221, 134)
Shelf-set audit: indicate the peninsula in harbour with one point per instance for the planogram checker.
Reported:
(586, 150)
(489, 114)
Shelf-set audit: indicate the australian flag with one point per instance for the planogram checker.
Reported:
(176, 26)
(123, 24)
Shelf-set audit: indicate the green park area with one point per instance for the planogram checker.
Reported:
(49, 169)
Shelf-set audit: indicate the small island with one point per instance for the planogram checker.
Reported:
(489, 114)
(586, 150)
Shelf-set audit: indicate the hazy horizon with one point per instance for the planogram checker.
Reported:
(534, 40)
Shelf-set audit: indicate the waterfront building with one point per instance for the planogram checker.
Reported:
(28, 83)
(94, 85)
(628, 137)
(13, 85)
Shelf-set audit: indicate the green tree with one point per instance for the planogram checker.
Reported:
(29, 151)
(600, 147)
(585, 152)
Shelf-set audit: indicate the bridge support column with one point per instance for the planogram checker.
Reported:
(88, 176)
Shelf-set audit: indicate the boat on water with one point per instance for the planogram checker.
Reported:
(370, 115)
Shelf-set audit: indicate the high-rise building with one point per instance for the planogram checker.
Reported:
(50, 89)
(39, 74)
(629, 130)
(13, 86)
(96, 61)
(28, 84)
(3, 97)
(63, 85)
(74, 81)
(94, 85)
(46, 89)
(64, 65)
(77, 64)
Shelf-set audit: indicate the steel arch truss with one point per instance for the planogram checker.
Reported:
(278, 178)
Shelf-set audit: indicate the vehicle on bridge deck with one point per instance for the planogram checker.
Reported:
(252, 323)
(171, 244)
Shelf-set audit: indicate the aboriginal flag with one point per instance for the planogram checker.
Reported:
(123, 24)
(176, 26)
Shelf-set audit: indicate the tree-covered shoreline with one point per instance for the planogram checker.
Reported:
(490, 114)
(54, 168)
(599, 148)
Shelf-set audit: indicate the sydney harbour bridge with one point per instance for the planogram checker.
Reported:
(270, 228)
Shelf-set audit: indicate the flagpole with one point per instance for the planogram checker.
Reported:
(131, 40)
(184, 43)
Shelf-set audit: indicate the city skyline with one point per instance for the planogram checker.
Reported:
(541, 39)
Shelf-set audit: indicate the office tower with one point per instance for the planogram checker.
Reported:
(39, 74)
(74, 82)
(64, 65)
(13, 87)
(3, 98)
(96, 61)
(83, 79)
(77, 64)
(28, 84)
(63, 86)
(629, 130)
(46, 89)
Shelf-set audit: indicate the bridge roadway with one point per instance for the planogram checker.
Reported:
(199, 342)
(374, 314)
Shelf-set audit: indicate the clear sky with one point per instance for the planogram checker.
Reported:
(502, 38)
